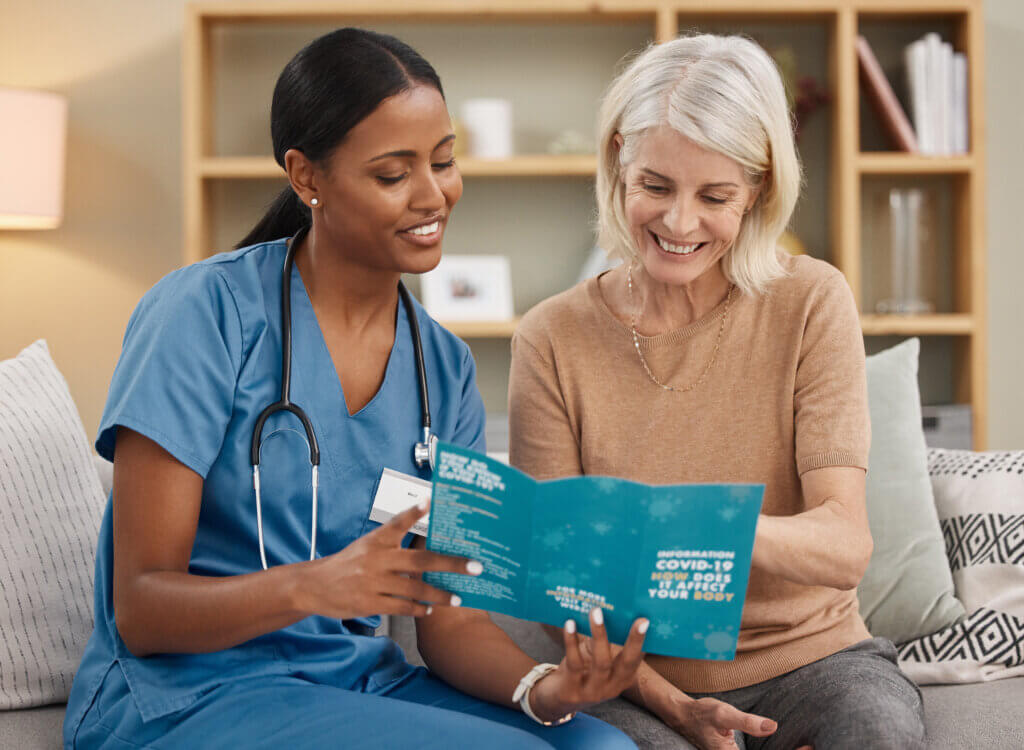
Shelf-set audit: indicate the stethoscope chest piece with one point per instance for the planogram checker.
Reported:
(424, 453)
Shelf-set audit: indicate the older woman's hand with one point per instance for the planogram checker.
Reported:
(592, 671)
(709, 723)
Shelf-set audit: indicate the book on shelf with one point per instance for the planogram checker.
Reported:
(897, 126)
(960, 144)
(937, 82)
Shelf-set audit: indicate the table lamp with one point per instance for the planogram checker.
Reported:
(33, 128)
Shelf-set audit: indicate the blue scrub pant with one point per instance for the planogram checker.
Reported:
(284, 712)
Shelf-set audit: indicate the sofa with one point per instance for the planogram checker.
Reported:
(946, 579)
(989, 715)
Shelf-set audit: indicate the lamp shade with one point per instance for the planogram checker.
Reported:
(33, 131)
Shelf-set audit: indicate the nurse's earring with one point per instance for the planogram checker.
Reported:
(314, 202)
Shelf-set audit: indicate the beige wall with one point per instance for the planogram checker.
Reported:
(119, 64)
(118, 61)
(1004, 36)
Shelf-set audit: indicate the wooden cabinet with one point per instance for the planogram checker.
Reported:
(553, 58)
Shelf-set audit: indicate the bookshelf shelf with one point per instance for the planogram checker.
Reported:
(896, 163)
(482, 329)
(240, 167)
(917, 325)
(540, 165)
(529, 165)
(222, 81)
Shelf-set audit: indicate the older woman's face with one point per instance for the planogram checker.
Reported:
(684, 206)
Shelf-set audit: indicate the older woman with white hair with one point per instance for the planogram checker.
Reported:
(711, 356)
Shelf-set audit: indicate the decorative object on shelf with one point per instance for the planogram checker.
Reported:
(571, 142)
(496, 432)
(488, 125)
(792, 244)
(909, 222)
(33, 130)
(897, 127)
(469, 287)
(805, 93)
(947, 426)
(461, 146)
(597, 262)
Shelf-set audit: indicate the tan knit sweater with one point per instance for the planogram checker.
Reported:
(786, 394)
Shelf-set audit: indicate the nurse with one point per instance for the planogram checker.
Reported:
(195, 644)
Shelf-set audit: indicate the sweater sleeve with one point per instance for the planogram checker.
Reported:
(541, 439)
(830, 402)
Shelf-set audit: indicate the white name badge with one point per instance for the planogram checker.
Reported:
(395, 493)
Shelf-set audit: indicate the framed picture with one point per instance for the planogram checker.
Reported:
(469, 287)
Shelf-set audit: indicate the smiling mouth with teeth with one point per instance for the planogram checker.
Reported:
(668, 247)
(425, 229)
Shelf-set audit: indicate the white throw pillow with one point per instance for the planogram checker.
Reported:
(980, 500)
(907, 591)
(50, 508)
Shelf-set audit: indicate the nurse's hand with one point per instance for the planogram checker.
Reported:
(589, 673)
(375, 575)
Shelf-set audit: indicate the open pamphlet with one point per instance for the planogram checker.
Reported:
(678, 555)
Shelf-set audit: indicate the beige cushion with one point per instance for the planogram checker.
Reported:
(50, 505)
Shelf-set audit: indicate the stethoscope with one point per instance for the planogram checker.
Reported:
(423, 452)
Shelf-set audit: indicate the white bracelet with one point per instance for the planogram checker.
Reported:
(522, 694)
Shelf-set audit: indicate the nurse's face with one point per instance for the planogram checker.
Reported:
(390, 186)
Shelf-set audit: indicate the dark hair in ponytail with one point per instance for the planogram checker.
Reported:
(328, 88)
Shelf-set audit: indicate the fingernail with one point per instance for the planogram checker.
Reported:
(456, 600)
(767, 724)
(570, 626)
(474, 568)
(598, 615)
(429, 609)
(644, 624)
(424, 505)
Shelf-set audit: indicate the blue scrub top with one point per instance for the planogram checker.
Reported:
(201, 359)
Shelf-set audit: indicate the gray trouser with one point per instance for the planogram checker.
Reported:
(856, 699)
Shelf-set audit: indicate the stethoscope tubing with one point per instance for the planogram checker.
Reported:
(423, 452)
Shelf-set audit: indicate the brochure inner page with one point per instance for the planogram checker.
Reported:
(678, 555)
(481, 509)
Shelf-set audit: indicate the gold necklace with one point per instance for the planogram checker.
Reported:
(640, 354)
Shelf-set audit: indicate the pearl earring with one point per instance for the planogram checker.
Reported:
(314, 202)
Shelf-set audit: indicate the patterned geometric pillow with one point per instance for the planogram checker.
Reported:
(980, 501)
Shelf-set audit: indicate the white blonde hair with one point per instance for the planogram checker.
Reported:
(725, 94)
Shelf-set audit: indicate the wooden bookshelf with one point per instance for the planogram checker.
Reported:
(206, 172)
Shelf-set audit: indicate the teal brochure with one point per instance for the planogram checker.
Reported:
(678, 555)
